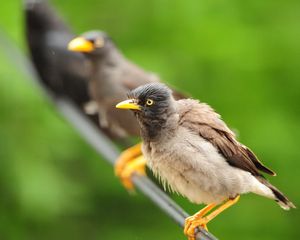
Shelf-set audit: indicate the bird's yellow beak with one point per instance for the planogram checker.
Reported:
(128, 104)
(80, 44)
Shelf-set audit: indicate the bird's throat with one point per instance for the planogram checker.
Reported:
(156, 129)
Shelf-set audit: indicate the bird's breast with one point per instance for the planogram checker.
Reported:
(191, 166)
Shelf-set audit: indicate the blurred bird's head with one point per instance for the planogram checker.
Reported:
(151, 103)
(92, 42)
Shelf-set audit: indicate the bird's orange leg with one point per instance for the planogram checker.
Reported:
(199, 215)
(130, 161)
(199, 219)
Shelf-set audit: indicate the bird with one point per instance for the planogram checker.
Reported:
(62, 72)
(112, 76)
(194, 153)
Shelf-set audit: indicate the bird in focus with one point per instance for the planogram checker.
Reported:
(190, 149)
(112, 76)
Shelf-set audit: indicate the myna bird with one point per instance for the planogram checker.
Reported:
(111, 78)
(63, 72)
(189, 147)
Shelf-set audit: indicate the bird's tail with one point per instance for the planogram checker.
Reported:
(40, 16)
(279, 197)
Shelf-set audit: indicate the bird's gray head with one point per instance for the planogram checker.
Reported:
(152, 104)
(91, 43)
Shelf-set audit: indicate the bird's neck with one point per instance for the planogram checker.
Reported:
(155, 130)
(109, 57)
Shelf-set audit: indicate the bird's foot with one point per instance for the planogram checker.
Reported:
(130, 161)
(135, 166)
(201, 218)
(197, 220)
(192, 223)
(125, 157)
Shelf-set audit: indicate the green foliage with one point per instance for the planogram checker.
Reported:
(242, 57)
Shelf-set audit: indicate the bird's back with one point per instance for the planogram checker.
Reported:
(203, 120)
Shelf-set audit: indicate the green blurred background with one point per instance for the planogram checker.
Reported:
(242, 57)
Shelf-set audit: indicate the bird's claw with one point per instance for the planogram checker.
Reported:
(125, 169)
(193, 222)
(127, 156)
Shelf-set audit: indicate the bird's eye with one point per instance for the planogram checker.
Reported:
(99, 42)
(149, 102)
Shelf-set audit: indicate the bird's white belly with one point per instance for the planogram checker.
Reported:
(192, 167)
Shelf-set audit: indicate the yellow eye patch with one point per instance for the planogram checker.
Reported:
(149, 102)
(99, 43)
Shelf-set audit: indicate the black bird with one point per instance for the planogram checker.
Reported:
(112, 76)
(63, 72)
(189, 147)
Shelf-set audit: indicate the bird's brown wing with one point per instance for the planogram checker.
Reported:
(201, 118)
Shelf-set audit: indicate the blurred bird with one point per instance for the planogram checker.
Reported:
(63, 72)
(189, 147)
(112, 76)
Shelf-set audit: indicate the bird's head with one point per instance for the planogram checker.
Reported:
(152, 104)
(92, 42)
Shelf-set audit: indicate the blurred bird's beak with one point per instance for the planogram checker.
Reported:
(80, 44)
(128, 104)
